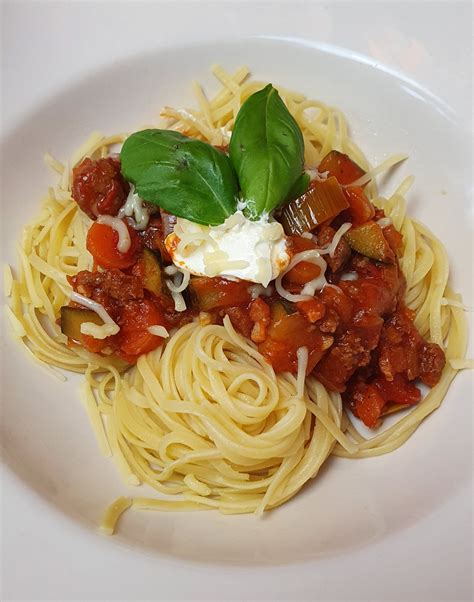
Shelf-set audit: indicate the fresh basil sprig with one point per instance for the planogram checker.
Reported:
(267, 151)
(186, 177)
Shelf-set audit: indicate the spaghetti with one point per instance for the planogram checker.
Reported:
(205, 416)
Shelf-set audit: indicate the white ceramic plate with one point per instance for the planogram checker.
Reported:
(353, 507)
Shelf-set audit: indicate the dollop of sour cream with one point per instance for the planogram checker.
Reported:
(239, 248)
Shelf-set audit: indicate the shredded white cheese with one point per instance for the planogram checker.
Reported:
(331, 248)
(134, 207)
(159, 331)
(171, 270)
(257, 290)
(387, 164)
(311, 256)
(179, 302)
(180, 282)
(120, 227)
(176, 286)
(302, 355)
(90, 304)
(99, 331)
(349, 276)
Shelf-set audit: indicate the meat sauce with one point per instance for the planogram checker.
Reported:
(360, 336)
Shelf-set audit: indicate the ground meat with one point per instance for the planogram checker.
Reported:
(110, 288)
(432, 363)
(351, 350)
(403, 350)
(98, 187)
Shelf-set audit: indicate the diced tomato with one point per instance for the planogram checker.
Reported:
(367, 403)
(399, 390)
(211, 293)
(102, 243)
(312, 309)
(285, 337)
(304, 271)
(372, 297)
(341, 166)
(94, 345)
(297, 244)
(361, 209)
(135, 319)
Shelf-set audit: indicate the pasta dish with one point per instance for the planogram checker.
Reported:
(242, 302)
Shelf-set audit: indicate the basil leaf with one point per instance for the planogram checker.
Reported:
(267, 150)
(186, 177)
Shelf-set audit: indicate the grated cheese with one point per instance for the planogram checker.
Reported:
(331, 248)
(99, 331)
(302, 355)
(176, 286)
(384, 166)
(311, 256)
(90, 304)
(134, 207)
(159, 331)
(257, 290)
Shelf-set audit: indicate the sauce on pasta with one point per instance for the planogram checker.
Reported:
(221, 392)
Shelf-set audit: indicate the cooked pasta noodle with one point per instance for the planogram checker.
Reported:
(205, 417)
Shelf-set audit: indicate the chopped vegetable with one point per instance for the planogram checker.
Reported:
(286, 335)
(102, 243)
(304, 271)
(323, 201)
(278, 310)
(135, 319)
(341, 166)
(212, 293)
(360, 207)
(148, 269)
(73, 317)
(368, 240)
(368, 404)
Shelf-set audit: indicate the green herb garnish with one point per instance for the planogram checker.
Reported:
(186, 177)
(267, 150)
